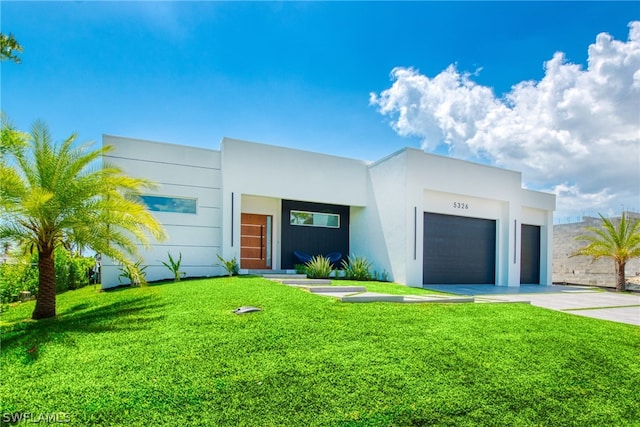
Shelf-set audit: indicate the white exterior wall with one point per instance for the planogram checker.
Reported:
(485, 192)
(412, 182)
(379, 231)
(285, 173)
(276, 173)
(387, 201)
(179, 171)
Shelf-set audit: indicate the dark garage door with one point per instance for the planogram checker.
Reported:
(459, 250)
(530, 255)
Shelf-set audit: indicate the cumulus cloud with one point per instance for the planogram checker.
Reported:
(576, 132)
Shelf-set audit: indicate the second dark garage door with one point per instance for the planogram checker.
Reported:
(459, 250)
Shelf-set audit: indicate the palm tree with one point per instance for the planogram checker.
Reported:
(52, 194)
(9, 47)
(619, 241)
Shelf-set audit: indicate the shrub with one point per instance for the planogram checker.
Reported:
(174, 266)
(231, 266)
(319, 267)
(16, 277)
(21, 274)
(72, 271)
(300, 268)
(80, 271)
(356, 268)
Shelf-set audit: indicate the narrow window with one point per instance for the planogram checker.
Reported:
(170, 204)
(315, 219)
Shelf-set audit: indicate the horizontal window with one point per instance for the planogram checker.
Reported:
(170, 204)
(315, 219)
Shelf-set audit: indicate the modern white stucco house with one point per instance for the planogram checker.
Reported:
(421, 218)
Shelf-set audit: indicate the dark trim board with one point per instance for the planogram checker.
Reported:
(458, 250)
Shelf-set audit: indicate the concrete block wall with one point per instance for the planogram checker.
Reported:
(580, 270)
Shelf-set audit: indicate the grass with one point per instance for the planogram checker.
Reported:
(175, 354)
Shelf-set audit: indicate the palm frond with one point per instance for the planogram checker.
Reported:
(62, 191)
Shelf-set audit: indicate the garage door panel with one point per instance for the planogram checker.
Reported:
(530, 254)
(458, 250)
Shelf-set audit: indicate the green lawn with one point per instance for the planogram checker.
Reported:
(175, 354)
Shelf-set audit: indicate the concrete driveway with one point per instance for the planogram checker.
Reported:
(617, 307)
(579, 300)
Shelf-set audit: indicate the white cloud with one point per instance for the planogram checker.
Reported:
(575, 132)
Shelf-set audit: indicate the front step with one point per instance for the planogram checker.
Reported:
(284, 276)
(261, 272)
(305, 281)
(338, 289)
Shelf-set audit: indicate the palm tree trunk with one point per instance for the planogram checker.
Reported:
(621, 280)
(46, 299)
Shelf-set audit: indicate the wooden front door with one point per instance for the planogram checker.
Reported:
(255, 241)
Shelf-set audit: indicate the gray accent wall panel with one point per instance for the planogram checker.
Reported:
(313, 240)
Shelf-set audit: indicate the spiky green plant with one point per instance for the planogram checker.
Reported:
(618, 240)
(356, 268)
(231, 266)
(319, 267)
(174, 266)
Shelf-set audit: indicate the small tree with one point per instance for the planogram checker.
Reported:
(56, 193)
(618, 240)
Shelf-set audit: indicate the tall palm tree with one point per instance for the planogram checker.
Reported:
(56, 193)
(619, 240)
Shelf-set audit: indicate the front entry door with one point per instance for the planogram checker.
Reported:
(255, 241)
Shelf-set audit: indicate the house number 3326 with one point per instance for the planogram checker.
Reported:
(459, 205)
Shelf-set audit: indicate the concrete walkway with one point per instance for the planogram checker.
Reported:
(578, 300)
(355, 294)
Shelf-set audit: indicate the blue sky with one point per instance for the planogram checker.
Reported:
(313, 75)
